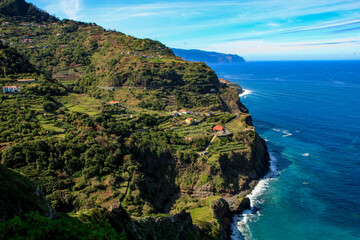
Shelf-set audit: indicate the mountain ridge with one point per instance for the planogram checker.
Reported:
(19, 9)
(207, 56)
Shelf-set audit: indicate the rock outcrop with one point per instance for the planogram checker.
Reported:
(175, 227)
(223, 215)
(232, 101)
(241, 204)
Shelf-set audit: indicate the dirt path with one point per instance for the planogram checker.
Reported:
(237, 116)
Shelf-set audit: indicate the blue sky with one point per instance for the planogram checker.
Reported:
(254, 29)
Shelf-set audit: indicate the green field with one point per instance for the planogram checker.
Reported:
(82, 103)
(239, 124)
(223, 147)
(194, 131)
(50, 127)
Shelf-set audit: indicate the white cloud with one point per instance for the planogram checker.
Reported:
(272, 24)
(253, 49)
(145, 14)
(71, 8)
(65, 8)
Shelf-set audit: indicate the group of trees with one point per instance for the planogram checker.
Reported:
(11, 62)
(24, 11)
(17, 122)
(93, 149)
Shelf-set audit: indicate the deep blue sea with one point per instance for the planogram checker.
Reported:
(309, 114)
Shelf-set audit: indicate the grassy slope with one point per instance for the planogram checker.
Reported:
(110, 58)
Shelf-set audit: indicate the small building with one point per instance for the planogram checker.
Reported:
(30, 80)
(183, 111)
(223, 81)
(11, 89)
(203, 153)
(175, 114)
(58, 34)
(208, 114)
(189, 121)
(114, 103)
(218, 128)
(213, 90)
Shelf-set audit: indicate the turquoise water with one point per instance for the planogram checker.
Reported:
(309, 113)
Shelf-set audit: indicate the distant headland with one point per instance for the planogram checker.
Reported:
(195, 55)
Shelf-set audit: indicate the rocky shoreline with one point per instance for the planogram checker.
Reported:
(226, 207)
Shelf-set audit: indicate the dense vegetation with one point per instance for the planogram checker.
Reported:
(12, 62)
(19, 9)
(87, 154)
(103, 57)
(62, 228)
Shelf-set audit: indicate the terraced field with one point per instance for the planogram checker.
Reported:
(82, 103)
(218, 147)
(194, 131)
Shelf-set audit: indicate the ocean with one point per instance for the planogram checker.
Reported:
(309, 114)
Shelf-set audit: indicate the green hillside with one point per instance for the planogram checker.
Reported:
(102, 57)
(97, 161)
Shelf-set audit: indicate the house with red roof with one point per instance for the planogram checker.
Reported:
(189, 121)
(114, 103)
(218, 128)
(223, 81)
(183, 111)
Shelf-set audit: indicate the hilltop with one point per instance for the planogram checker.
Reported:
(111, 126)
(105, 58)
(19, 9)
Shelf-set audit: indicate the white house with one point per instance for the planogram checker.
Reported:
(183, 111)
(11, 89)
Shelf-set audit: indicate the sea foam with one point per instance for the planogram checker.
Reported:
(286, 133)
(245, 92)
(240, 227)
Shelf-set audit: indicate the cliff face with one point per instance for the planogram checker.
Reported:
(231, 99)
(177, 227)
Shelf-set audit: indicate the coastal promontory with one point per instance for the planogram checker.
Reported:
(196, 55)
